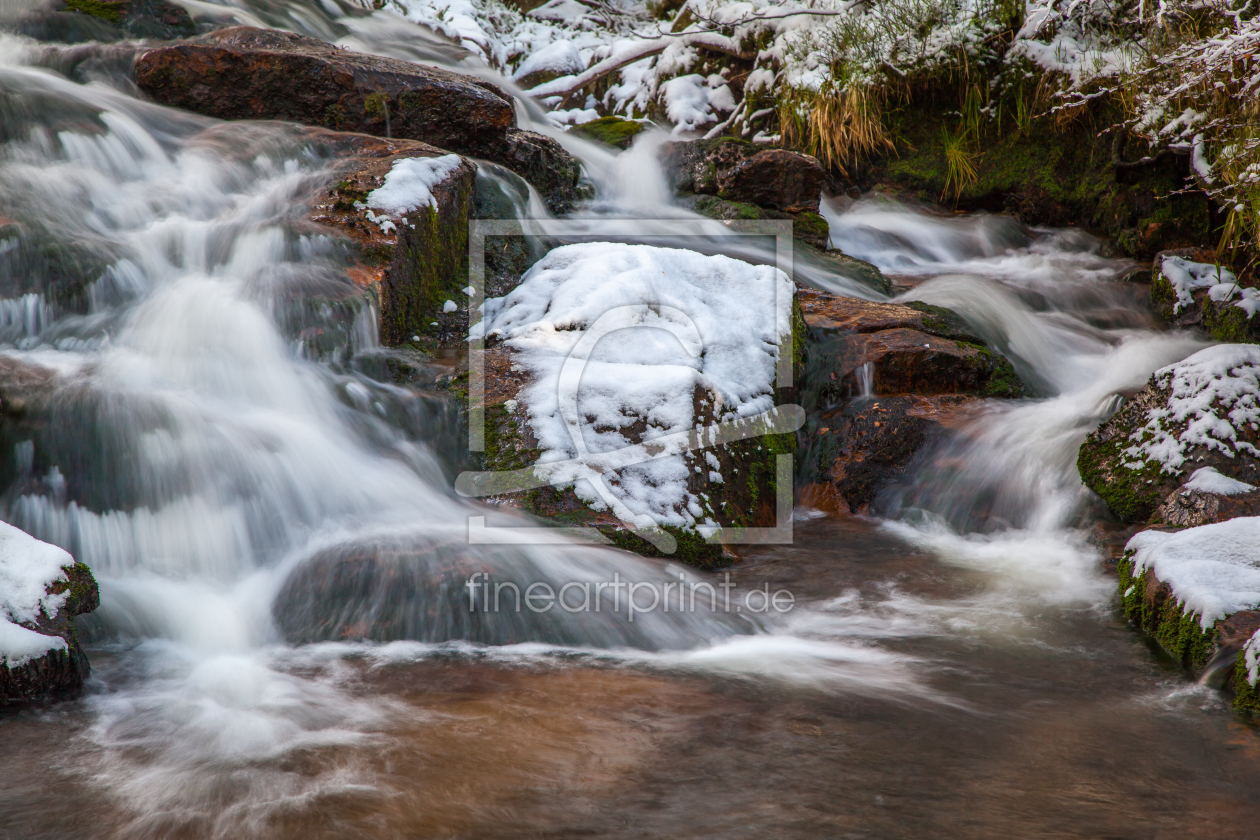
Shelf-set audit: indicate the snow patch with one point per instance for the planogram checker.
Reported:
(408, 185)
(27, 568)
(1186, 276)
(1208, 480)
(1214, 570)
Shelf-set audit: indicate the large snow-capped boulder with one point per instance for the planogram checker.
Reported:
(1203, 411)
(612, 367)
(261, 74)
(406, 206)
(42, 589)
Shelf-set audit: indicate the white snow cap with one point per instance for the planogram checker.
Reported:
(1214, 570)
(1186, 276)
(27, 567)
(662, 322)
(560, 57)
(1208, 480)
(1215, 392)
(409, 184)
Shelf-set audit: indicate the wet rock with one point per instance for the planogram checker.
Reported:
(1186, 507)
(414, 263)
(59, 673)
(76, 21)
(418, 589)
(541, 161)
(807, 226)
(740, 171)
(901, 360)
(866, 445)
(248, 73)
(1115, 460)
(611, 131)
(836, 313)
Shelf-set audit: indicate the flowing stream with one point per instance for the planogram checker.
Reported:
(952, 668)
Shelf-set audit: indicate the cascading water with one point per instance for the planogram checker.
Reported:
(209, 438)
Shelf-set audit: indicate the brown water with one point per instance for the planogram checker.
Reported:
(1059, 722)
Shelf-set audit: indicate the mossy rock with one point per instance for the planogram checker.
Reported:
(1049, 174)
(807, 227)
(611, 131)
(1149, 603)
(1225, 321)
(1134, 488)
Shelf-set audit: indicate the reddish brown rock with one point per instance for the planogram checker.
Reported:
(901, 360)
(866, 445)
(421, 262)
(263, 74)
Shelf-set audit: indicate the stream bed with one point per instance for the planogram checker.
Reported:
(953, 664)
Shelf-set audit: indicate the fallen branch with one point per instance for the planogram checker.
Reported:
(568, 85)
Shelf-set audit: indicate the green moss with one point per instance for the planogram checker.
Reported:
(377, 104)
(114, 12)
(1246, 695)
(1132, 495)
(1046, 175)
(334, 116)
(1177, 630)
(1163, 297)
(376, 254)
(945, 323)
(1225, 321)
(1002, 381)
(612, 131)
(810, 227)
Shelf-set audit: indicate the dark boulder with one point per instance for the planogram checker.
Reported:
(262, 74)
(75, 21)
(737, 170)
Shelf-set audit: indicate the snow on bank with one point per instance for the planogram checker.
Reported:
(1186, 277)
(617, 335)
(27, 568)
(1214, 393)
(1214, 570)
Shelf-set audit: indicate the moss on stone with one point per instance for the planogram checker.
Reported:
(114, 12)
(1177, 630)
(1225, 321)
(1163, 297)
(1246, 695)
(612, 131)
(1057, 176)
(1132, 494)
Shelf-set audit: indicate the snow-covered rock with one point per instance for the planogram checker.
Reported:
(624, 355)
(1203, 411)
(41, 590)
